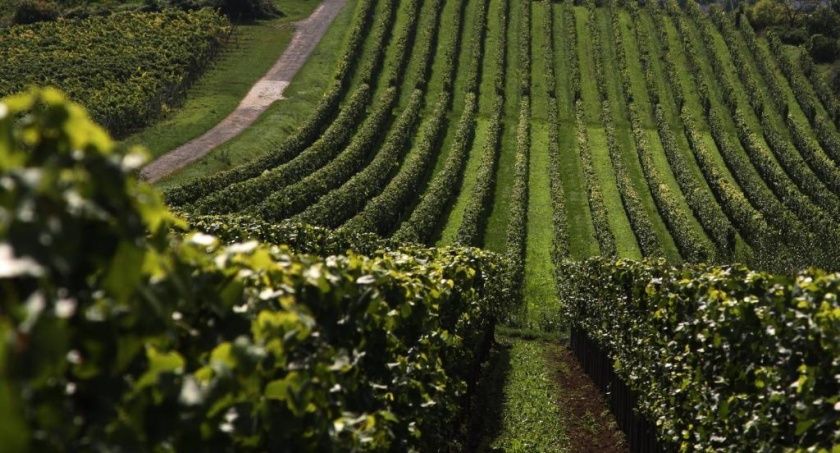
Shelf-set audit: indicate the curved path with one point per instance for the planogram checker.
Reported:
(269, 88)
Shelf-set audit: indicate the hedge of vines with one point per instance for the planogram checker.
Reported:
(559, 213)
(714, 222)
(385, 211)
(600, 221)
(289, 200)
(815, 219)
(631, 199)
(480, 201)
(517, 225)
(721, 358)
(426, 219)
(124, 330)
(692, 246)
(778, 141)
(127, 68)
(246, 193)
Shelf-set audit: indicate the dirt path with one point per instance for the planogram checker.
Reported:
(269, 88)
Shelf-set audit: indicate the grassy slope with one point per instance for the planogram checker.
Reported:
(619, 224)
(621, 120)
(582, 241)
(494, 236)
(540, 295)
(283, 117)
(222, 87)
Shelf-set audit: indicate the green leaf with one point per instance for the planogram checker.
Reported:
(160, 363)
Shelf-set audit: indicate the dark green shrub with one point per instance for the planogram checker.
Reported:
(834, 77)
(234, 9)
(823, 48)
(31, 11)
(795, 36)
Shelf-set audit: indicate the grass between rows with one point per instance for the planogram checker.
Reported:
(540, 295)
(456, 213)
(446, 35)
(520, 393)
(692, 100)
(672, 114)
(226, 82)
(283, 117)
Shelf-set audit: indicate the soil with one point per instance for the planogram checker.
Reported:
(590, 425)
(263, 93)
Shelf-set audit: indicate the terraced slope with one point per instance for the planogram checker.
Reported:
(548, 130)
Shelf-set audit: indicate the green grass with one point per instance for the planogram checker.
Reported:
(625, 239)
(371, 45)
(582, 240)
(447, 35)
(495, 234)
(692, 100)
(565, 106)
(752, 68)
(389, 59)
(709, 74)
(588, 86)
(283, 117)
(226, 82)
(542, 303)
(795, 109)
(489, 70)
(531, 418)
(539, 100)
(426, 20)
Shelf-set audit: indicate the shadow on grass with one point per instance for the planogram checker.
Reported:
(488, 403)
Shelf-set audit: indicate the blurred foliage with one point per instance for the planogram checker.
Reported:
(122, 330)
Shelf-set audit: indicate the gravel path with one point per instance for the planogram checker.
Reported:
(269, 88)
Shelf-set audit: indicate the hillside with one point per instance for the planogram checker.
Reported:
(502, 226)
(553, 131)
